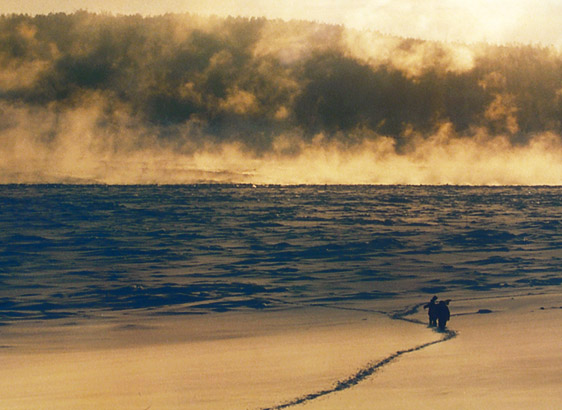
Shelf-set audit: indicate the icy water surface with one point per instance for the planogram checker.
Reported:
(79, 251)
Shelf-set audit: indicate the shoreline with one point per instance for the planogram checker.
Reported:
(506, 355)
(354, 355)
(238, 360)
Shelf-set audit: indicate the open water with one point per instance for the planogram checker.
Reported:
(89, 250)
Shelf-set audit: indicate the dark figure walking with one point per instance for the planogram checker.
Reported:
(432, 311)
(443, 314)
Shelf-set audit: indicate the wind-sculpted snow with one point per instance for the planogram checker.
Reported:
(182, 99)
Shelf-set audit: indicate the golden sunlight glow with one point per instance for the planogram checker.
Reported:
(198, 99)
(525, 21)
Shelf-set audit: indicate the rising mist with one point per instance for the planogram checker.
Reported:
(184, 99)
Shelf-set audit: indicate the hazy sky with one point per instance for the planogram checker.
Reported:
(527, 21)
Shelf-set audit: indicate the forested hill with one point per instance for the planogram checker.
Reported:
(251, 79)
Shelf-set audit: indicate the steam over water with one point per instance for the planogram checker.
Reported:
(123, 102)
(78, 251)
(184, 99)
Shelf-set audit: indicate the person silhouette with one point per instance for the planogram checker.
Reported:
(443, 314)
(432, 311)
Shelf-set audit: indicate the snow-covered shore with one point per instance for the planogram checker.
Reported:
(506, 355)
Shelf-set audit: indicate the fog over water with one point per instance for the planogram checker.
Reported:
(180, 98)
